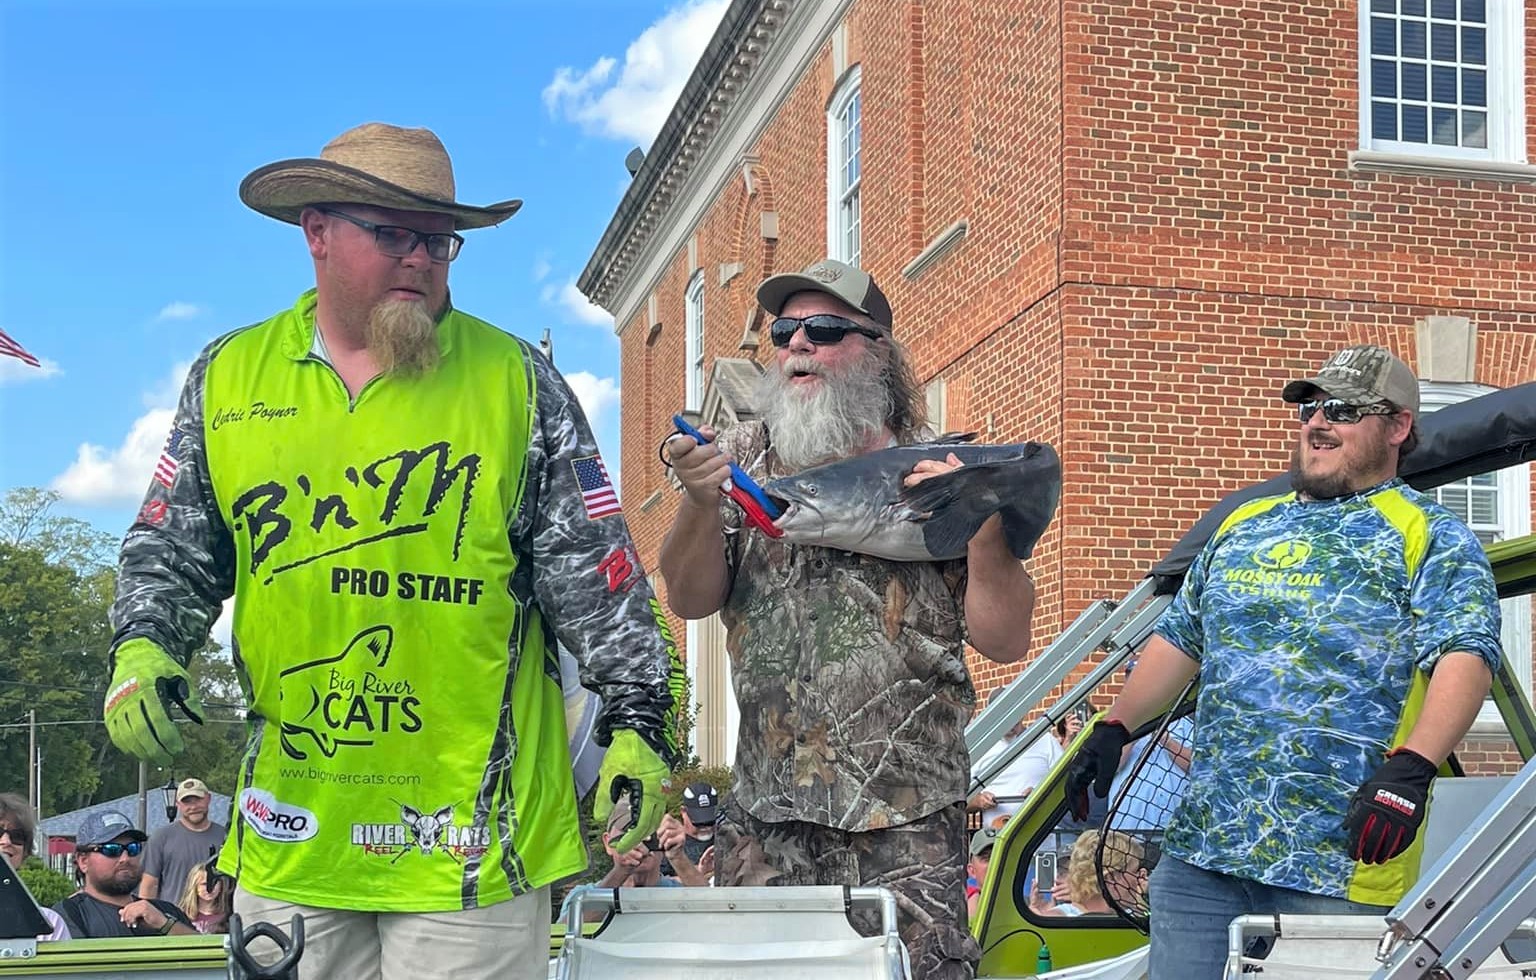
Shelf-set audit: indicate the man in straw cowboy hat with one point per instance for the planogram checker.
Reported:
(409, 508)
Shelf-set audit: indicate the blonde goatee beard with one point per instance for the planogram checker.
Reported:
(402, 338)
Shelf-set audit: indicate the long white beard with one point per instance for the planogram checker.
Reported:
(402, 338)
(836, 419)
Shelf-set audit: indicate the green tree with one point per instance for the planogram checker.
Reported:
(57, 580)
(47, 886)
(26, 519)
(53, 641)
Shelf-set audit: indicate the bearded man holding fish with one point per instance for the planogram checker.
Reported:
(846, 623)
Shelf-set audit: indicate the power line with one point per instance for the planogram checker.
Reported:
(98, 721)
(53, 687)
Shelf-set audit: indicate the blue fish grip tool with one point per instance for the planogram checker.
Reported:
(756, 508)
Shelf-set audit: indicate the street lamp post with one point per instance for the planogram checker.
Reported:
(169, 792)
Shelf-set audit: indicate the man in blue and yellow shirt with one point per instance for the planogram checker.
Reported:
(1344, 635)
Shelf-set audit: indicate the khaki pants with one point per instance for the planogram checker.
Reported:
(507, 941)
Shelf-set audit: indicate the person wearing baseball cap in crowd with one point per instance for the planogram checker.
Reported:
(976, 866)
(1352, 622)
(178, 847)
(854, 771)
(688, 843)
(108, 850)
(409, 507)
(638, 867)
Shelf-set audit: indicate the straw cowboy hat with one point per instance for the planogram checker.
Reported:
(375, 163)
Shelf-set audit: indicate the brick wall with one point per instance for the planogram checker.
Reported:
(1162, 229)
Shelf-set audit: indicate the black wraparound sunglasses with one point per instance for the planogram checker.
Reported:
(1340, 412)
(820, 328)
(115, 850)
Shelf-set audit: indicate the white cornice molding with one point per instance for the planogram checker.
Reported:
(1427, 166)
(773, 57)
(936, 249)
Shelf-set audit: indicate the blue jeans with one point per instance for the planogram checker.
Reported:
(1191, 909)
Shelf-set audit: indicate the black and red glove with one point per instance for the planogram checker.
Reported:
(1385, 812)
(1095, 765)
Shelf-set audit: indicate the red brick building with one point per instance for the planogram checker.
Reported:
(1117, 227)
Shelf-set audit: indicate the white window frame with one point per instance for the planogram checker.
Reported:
(844, 195)
(693, 333)
(1514, 487)
(936, 394)
(1505, 87)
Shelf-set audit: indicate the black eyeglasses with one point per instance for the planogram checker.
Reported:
(399, 242)
(15, 834)
(115, 850)
(820, 328)
(1341, 412)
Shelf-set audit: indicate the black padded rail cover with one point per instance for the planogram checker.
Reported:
(19, 914)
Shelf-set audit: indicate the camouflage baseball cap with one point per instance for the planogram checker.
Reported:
(983, 840)
(1361, 375)
(104, 826)
(848, 283)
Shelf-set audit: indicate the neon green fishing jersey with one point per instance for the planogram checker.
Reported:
(402, 561)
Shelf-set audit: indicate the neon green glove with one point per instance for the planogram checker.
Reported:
(145, 682)
(632, 766)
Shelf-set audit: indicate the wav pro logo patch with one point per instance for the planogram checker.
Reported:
(1283, 555)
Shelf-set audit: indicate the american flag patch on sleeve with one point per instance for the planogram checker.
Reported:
(597, 492)
(170, 460)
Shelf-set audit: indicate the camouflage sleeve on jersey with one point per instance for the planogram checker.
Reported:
(587, 577)
(177, 564)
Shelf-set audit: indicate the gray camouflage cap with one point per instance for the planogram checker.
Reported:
(105, 826)
(848, 283)
(1361, 375)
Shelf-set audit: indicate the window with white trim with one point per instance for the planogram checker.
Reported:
(845, 170)
(693, 324)
(1443, 78)
(1496, 506)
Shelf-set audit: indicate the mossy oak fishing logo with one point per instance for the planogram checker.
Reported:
(424, 832)
(346, 700)
(1285, 555)
(1279, 570)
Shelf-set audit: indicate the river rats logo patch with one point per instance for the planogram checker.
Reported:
(346, 700)
(422, 832)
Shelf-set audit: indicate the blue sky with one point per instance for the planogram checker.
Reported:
(125, 129)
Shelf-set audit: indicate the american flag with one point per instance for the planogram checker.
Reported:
(165, 469)
(596, 489)
(10, 348)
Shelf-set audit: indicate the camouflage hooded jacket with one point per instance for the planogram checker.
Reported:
(849, 672)
(402, 562)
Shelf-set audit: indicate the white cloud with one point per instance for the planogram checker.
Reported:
(14, 371)
(168, 392)
(116, 476)
(224, 626)
(576, 306)
(656, 66)
(178, 310)
(599, 397)
(540, 269)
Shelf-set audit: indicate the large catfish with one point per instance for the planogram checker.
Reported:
(859, 504)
